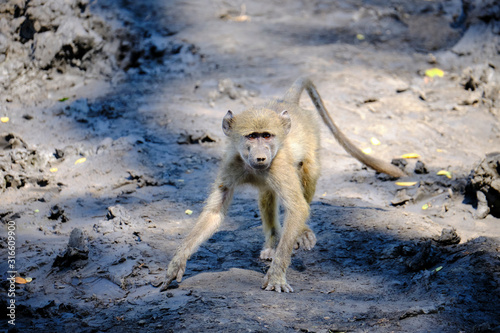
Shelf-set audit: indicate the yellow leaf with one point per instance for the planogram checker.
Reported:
(431, 72)
(21, 280)
(360, 36)
(406, 183)
(80, 160)
(444, 173)
(367, 151)
(53, 169)
(188, 212)
(4, 119)
(241, 18)
(426, 206)
(375, 141)
(411, 155)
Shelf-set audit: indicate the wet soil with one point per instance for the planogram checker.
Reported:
(113, 138)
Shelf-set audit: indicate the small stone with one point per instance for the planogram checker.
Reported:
(400, 198)
(448, 236)
(420, 168)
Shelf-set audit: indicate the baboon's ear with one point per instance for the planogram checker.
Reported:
(286, 121)
(227, 123)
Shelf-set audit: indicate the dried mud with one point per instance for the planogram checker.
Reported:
(113, 134)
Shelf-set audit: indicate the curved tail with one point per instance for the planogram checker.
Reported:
(293, 96)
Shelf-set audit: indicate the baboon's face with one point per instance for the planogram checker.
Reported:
(258, 149)
(257, 134)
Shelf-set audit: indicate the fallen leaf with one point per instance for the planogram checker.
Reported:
(80, 160)
(431, 72)
(439, 268)
(367, 151)
(64, 99)
(444, 173)
(21, 280)
(360, 36)
(425, 207)
(411, 155)
(188, 212)
(53, 169)
(241, 18)
(375, 141)
(37, 210)
(406, 183)
(4, 119)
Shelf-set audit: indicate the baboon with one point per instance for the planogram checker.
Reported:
(276, 149)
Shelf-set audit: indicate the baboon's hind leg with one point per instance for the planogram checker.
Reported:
(309, 176)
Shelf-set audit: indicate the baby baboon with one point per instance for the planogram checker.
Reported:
(275, 148)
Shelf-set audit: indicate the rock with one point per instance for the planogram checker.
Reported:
(195, 138)
(12, 141)
(420, 168)
(4, 46)
(46, 45)
(482, 206)
(80, 40)
(415, 311)
(119, 213)
(424, 258)
(57, 213)
(400, 198)
(448, 236)
(483, 186)
(400, 163)
(76, 253)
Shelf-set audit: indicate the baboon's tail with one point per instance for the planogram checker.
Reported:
(293, 96)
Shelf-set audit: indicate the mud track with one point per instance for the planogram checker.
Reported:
(110, 133)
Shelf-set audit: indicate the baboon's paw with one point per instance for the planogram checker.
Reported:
(306, 240)
(267, 254)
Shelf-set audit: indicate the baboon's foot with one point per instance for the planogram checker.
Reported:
(267, 254)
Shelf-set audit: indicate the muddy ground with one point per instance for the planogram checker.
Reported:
(114, 134)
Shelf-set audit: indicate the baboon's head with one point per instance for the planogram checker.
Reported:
(257, 134)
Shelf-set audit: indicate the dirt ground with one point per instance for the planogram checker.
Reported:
(111, 135)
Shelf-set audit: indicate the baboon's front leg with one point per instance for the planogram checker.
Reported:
(296, 214)
(206, 225)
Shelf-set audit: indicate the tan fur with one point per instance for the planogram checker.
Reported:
(289, 175)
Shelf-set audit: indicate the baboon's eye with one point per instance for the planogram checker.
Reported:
(266, 135)
(252, 136)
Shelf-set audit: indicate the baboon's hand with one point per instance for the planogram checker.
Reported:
(175, 271)
(276, 283)
(306, 240)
